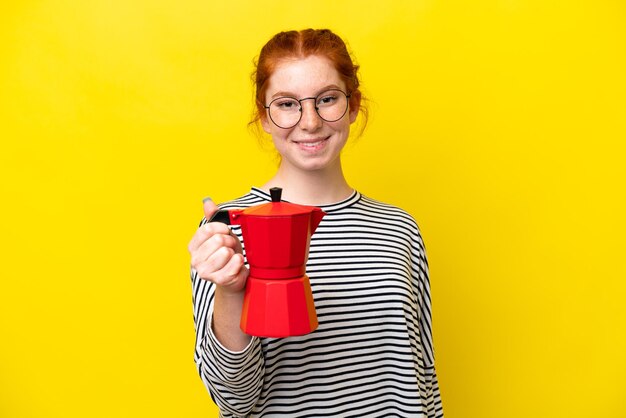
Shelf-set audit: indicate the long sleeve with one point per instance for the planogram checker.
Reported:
(233, 379)
(431, 395)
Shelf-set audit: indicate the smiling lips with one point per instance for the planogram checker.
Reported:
(311, 144)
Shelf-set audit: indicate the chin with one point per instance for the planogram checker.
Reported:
(316, 164)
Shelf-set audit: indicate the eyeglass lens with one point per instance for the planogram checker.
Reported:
(330, 105)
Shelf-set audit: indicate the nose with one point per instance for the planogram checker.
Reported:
(310, 120)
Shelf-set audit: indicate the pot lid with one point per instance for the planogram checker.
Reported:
(278, 208)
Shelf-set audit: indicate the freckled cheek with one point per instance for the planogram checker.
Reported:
(281, 143)
(342, 133)
(281, 136)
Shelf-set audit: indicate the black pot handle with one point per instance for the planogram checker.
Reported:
(221, 216)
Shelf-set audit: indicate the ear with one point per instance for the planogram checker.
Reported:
(266, 124)
(355, 105)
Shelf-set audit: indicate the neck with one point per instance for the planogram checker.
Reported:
(317, 187)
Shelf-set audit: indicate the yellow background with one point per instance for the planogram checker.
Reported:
(500, 125)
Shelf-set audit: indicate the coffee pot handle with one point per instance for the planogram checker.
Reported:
(222, 216)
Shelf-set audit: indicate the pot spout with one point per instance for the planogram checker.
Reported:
(316, 218)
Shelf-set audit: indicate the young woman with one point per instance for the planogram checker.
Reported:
(372, 354)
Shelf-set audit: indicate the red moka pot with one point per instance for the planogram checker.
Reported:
(278, 301)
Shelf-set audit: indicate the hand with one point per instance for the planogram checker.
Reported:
(216, 254)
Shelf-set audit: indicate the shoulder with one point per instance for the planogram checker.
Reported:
(398, 219)
(254, 197)
(379, 206)
(386, 213)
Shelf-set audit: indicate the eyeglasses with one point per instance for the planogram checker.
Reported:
(330, 105)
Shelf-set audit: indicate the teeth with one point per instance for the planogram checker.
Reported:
(311, 144)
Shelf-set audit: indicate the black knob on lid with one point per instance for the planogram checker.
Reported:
(276, 192)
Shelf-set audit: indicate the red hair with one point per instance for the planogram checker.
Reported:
(301, 44)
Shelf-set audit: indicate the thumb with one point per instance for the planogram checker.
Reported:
(209, 207)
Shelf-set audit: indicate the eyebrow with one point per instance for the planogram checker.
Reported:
(289, 94)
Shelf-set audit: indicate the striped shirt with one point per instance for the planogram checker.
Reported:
(372, 354)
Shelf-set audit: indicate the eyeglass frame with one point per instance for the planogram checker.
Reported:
(315, 106)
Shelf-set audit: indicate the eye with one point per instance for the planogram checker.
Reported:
(286, 104)
(327, 99)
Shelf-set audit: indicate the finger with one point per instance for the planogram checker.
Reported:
(218, 228)
(234, 265)
(235, 273)
(205, 232)
(206, 249)
(212, 268)
(209, 207)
